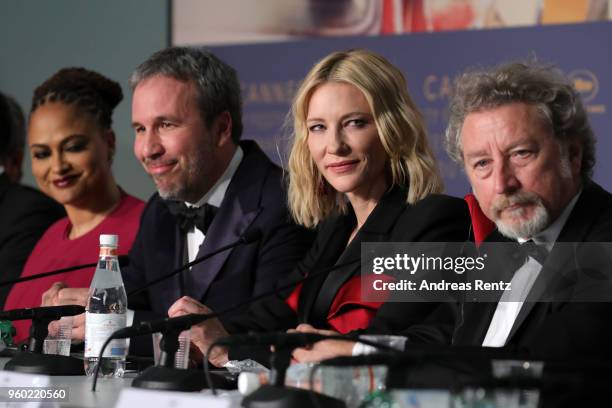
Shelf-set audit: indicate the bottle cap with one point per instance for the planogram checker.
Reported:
(109, 240)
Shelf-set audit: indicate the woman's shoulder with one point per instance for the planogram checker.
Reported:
(51, 239)
(437, 217)
(442, 203)
(56, 231)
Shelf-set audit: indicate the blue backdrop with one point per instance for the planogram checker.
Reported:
(270, 74)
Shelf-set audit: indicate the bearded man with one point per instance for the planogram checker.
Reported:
(523, 137)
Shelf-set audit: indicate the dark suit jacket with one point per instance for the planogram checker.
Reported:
(556, 321)
(435, 218)
(25, 214)
(255, 199)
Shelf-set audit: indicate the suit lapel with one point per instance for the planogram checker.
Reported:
(552, 284)
(549, 283)
(180, 255)
(377, 228)
(476, 321)
(238, 210)
(332, 245)
(475, 315)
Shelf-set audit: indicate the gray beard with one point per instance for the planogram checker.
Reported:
(529, 228)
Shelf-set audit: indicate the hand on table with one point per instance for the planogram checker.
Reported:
(321, 350)
(59, 294)
(205, 333)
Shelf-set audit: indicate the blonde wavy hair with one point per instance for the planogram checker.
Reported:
(399, 123)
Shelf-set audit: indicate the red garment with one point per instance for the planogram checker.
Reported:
(55, 251)
(482, 226)
(348, 311)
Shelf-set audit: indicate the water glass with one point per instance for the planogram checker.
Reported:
(59, 338)
(181, 358)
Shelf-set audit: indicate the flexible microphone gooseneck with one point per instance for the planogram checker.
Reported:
(123, 261)
(33, 361)
(45, 312)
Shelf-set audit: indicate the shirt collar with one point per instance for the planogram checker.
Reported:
(548, 236)
(215, 195)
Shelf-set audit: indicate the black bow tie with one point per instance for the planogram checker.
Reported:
(188, 217)
(531, 249)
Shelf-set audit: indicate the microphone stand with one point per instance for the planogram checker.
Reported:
(165, 376)
(33, 361)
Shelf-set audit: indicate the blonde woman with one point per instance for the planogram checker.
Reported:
(360, 170)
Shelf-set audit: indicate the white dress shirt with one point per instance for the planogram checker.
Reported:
(522, 282)
(214, 196)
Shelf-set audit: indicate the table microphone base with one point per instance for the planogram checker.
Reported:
(170, 379)
(47, 364)
(174, 379)
(271, 396)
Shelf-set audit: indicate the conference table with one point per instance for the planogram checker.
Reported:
(109, 392)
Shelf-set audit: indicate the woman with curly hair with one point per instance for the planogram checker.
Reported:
(72, 145)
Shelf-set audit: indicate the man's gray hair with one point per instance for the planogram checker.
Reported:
(216, 82)
(535, 84)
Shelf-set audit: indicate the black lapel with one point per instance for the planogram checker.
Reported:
(475, 317)
(377, 228)
(337, 234)
(552, 282)
(238, 210)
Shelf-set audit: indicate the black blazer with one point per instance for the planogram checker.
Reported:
(255, 199)
(25, 214)
(435, 218)
(565, 325)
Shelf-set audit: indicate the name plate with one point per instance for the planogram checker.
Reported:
(22, 390)
(16, 379)
(134, 397)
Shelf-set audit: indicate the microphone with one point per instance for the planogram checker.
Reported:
(168, 324)
(47, 312)
(245, 239)
(278, 339)
(123, 261)
(186, 321)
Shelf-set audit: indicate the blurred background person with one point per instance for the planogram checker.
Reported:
(72, 145)
(25, 213)
(360, 170)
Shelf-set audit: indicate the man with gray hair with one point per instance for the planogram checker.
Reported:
(522, 135)
(25, 213)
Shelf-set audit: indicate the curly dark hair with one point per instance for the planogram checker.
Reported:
(89, 90)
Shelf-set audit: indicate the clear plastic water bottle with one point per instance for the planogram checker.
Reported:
(106, 312)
